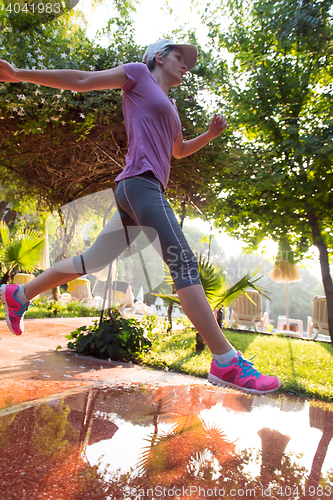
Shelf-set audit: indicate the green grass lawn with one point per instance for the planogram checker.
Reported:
(304, 368)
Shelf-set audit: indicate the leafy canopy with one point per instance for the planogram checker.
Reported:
(281, 108)
(63, 145)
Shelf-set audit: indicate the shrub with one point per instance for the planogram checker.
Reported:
(117, 338)
(152, 322)
(43, 308)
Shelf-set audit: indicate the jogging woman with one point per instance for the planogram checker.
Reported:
(154, 134)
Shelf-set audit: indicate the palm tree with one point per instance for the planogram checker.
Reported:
(216, 286)
(22, 251)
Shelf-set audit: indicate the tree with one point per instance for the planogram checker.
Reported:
(281, 108)
(64, 145)
(54, 140)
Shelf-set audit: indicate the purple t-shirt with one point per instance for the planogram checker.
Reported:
(152, 125)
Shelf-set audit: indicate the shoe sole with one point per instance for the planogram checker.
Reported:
(221, 383)
(3, 300)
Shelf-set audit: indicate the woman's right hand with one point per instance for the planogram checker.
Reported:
(7, 72)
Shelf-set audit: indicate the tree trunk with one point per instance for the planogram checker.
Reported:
(199, 343)
(10, 216)
(56, 294)
(183, 214)
(169, 329)
(325, 268)
(219, 317)
(3, 206)
(67, 232)
(6, 278)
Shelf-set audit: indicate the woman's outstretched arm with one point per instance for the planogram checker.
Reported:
(67, 79)
(183, 148)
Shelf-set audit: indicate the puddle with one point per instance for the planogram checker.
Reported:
(145, 442)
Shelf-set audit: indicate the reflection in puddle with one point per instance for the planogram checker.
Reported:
(167, 442)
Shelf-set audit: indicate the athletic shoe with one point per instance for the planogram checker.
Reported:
(240, 374)
(14, 308)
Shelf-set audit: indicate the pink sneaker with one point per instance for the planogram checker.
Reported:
(14, 309)
(240, 374)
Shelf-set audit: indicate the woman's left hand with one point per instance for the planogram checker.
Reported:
(217, 125)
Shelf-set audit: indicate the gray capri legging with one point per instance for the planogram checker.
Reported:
(142, 206)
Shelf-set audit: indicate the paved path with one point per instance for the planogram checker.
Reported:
(30, 368)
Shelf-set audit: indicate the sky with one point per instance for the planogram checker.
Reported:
(154, 19)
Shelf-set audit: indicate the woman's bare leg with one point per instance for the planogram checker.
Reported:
(196, 307)
(58, 274)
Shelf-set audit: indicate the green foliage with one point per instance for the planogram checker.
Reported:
(149, 323)
(117, 338)
(42, 127)
(215, 283)
(280, 104)
(55, 434)
(47, 132)
(43, 308)
(22, 251)
(281, 109)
